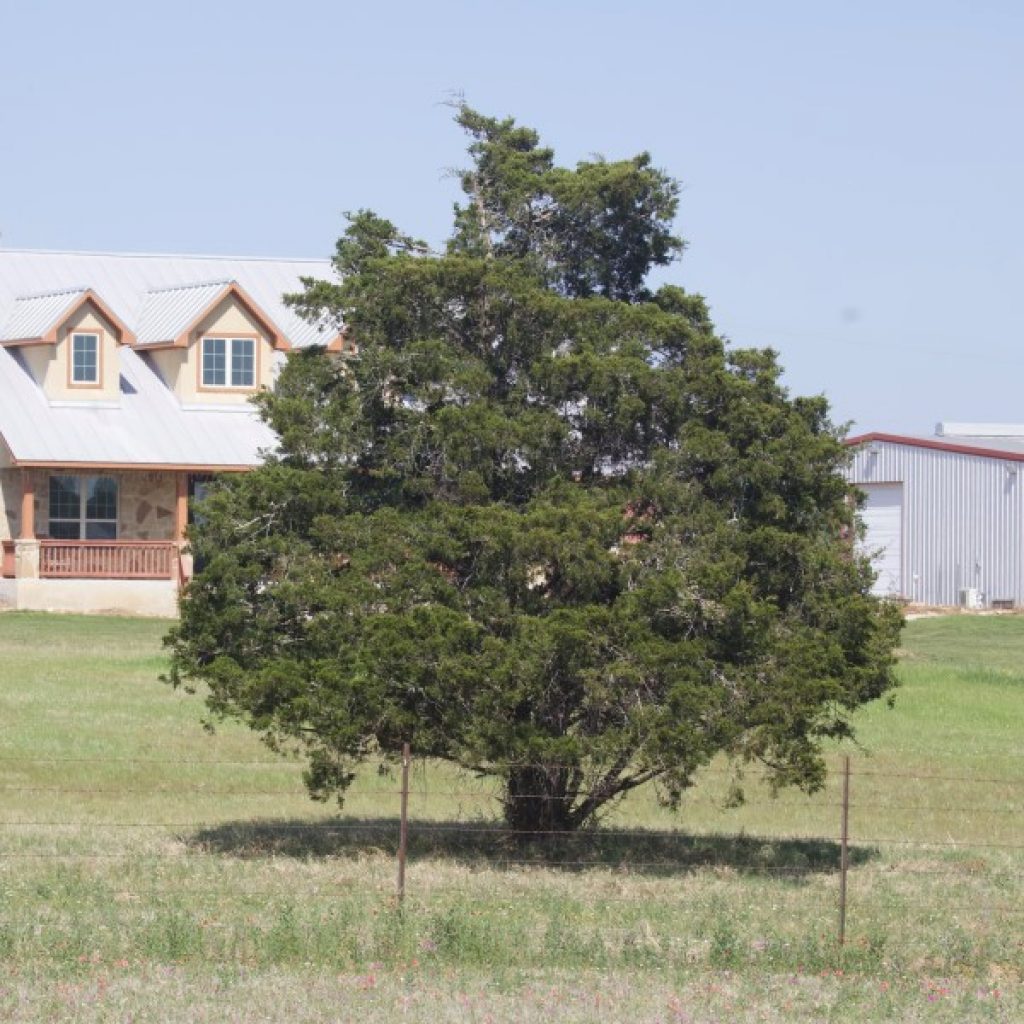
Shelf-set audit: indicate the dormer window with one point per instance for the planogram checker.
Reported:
(229, 363)
(68, 341)
(85, 359)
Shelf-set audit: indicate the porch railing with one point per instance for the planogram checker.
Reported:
(108, 559)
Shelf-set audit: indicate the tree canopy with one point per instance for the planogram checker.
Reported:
(544, 524)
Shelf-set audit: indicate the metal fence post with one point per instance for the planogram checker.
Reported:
(844, 849)
(403, 828)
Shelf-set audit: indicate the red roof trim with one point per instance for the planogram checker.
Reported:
(942, 446)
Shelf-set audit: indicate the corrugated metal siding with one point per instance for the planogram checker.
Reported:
(963, 519)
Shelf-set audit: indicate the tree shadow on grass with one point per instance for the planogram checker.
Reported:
(490, 843)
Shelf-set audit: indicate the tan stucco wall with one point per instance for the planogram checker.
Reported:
(50, 365)
(170, 364)
(180, 367)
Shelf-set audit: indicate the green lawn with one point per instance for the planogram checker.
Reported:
(151, 871)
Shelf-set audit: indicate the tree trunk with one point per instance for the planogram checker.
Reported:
(539, 799)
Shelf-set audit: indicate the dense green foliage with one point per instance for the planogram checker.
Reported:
(544, 525)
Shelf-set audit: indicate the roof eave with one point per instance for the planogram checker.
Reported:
(169, 467)
(942, 446)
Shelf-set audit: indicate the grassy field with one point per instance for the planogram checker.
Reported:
(152, 872)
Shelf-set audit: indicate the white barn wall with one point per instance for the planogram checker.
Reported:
(963, 518)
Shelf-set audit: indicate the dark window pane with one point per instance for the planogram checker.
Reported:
(85, 358)
(243, 363)
(101, 498)
(65, 502)
(101, 531)
(215, 361)
(64, 530)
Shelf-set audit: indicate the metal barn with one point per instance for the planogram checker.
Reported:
(944, 515)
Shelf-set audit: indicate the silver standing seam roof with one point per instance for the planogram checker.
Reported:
(147, 426)
(166, 312)
(32, 315)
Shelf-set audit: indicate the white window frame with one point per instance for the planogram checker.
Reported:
(85, 381)
(230, 341)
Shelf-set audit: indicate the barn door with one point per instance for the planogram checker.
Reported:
(883, 539)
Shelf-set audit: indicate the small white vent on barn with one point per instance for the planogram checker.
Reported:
(970, 597)
(979, 429)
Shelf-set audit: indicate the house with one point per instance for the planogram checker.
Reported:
(125, 384)
(944, 514)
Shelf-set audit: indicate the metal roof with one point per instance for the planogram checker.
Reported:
(31, 316)
(156, 297)
(987, 430)
(167, 312)
(992, 447)
(125, 281)
(146, 427)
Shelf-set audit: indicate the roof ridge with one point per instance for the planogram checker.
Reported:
(74, 290)
(167, 255)
(220, 282)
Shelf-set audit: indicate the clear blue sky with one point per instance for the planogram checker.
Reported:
(852, 172)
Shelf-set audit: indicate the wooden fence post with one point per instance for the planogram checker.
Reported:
(844, 849)
(403, 828)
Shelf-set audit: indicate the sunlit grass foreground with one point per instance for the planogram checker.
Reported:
(149, 871)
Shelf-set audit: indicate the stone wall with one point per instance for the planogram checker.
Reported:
(10, 503)
(145, 504)
(11, 483)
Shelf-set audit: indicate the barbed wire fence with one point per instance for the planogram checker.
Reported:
(853, 803)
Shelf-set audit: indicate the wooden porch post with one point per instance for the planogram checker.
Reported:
(28, 506)
(26, 547)
(184, 561)
(181, 508)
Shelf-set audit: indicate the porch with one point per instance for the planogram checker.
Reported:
(119, 577)
(110, 560)
(100, 559)
(111, 542)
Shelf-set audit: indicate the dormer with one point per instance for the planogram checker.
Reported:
(210, 342)
(68, 343)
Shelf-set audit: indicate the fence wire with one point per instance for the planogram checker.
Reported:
(866, 820)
